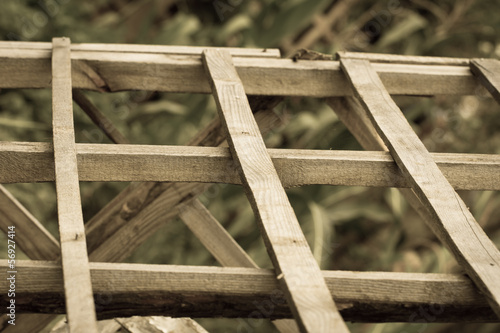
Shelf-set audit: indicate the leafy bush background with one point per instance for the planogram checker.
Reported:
(349, 228)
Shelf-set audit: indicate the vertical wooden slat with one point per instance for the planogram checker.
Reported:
(453, 222)
(488, 72)
(77, 285)
(296, 268)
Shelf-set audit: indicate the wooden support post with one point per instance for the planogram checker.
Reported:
(77, 286)
(296, 268)
(488, 73)
(452, 221)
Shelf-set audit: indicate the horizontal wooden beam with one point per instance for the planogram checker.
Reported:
(108, 70)
(201, 291)
(143, 48)
(26, 162)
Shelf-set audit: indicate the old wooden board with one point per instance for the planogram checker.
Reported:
(488, 72)
(77, 286)
(453, 223)
(26, 162)
(115, 71)
(142, 48)
(233, 292)
(296, 268)
(404, 59)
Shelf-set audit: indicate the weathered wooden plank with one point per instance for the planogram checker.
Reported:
(33, 162)
(237, 292)
(453, 222)
(114, 71)
(77, 284)
(404, 59)
(488, 72)
(296, 268)
(142, 48)
(31, 236)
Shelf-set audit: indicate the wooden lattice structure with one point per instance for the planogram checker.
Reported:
(357, 87)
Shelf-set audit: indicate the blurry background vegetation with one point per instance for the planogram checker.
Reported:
(349, 228)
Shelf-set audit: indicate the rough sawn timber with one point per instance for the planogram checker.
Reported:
(296, 268)
(77, 285)
(233, 292)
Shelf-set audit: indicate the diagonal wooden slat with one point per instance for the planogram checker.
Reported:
(452, 221)
(78, 288)
(488, 72)
(31, 236)
(36, 242)
(295, 265)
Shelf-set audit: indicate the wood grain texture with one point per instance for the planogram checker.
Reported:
(115, 71)
(296, 268)
(404, 59)
(27, 162)
(453, 223)
(142, 48)
(233, 292)
(488, 73)
(77, 285)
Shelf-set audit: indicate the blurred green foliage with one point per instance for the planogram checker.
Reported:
(348, 228)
